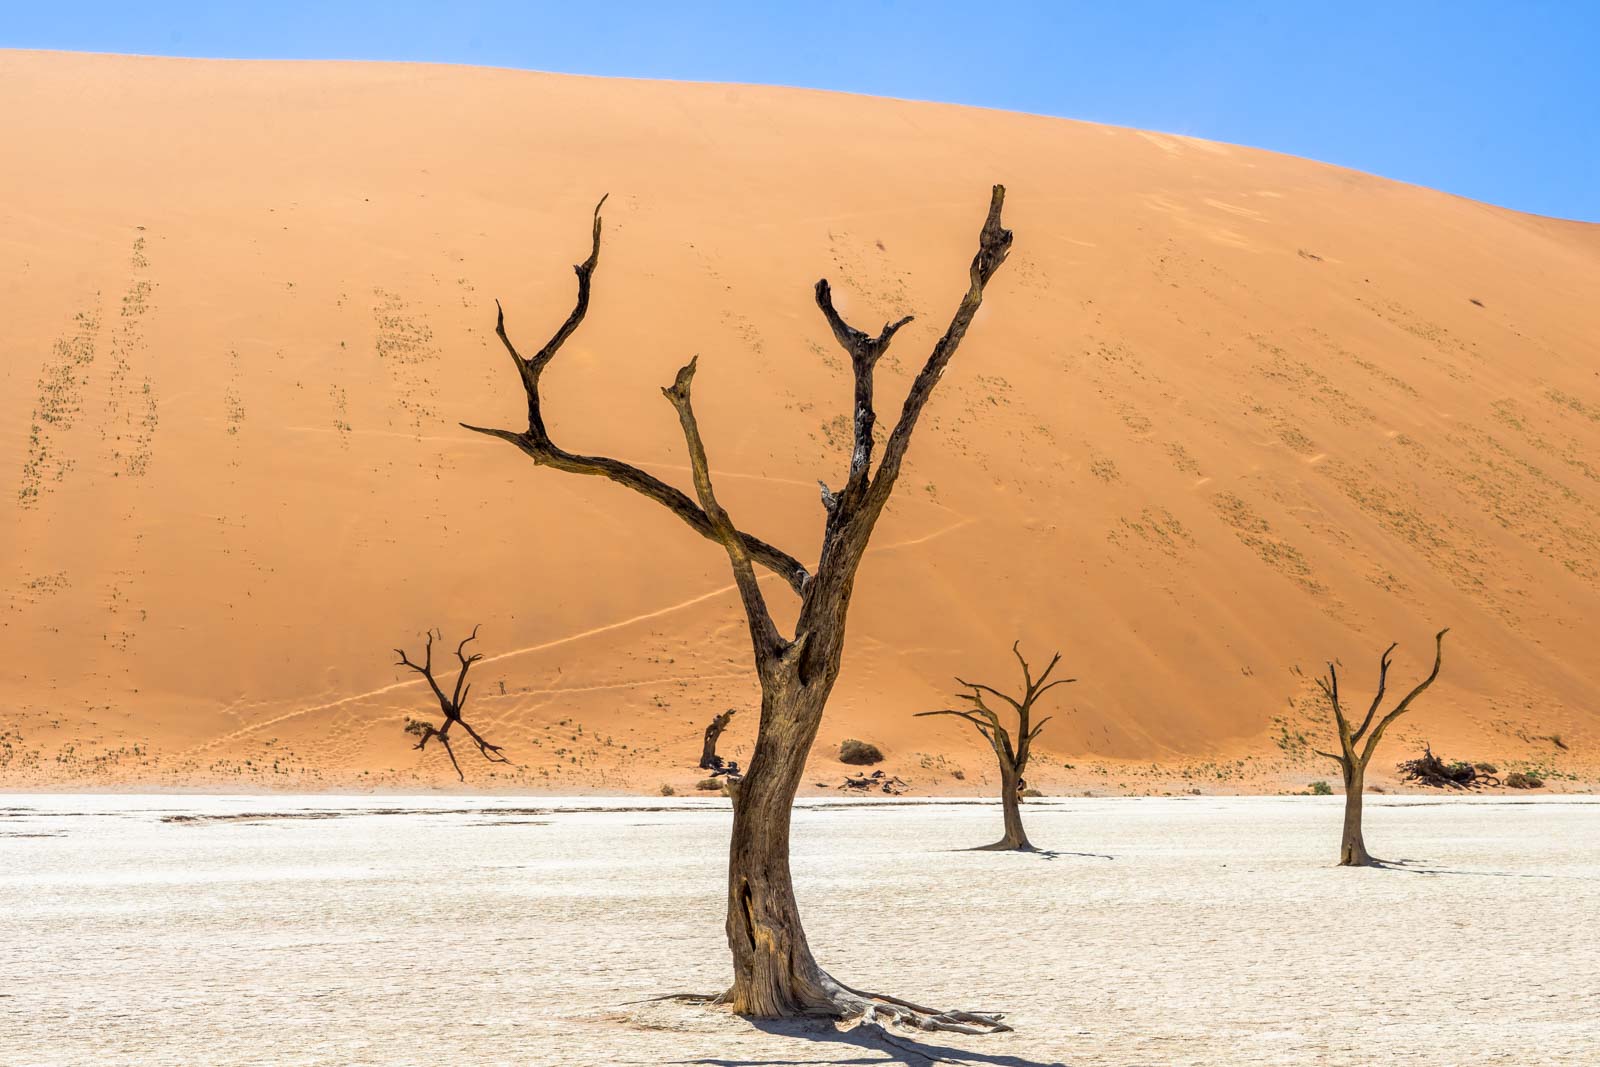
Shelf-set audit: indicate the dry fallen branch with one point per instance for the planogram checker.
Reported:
(1428, 769)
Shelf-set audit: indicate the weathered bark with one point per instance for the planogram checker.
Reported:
(709, 760)
(1353, 757)
(1352, 846)
(774, 972)
(1016, 838)
(1013, 759)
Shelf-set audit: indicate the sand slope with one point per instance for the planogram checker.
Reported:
(1224, 415)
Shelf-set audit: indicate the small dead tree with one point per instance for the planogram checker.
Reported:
(774, 972)
(1353, 756)
(451, 705)
(1013, 757)
(709, 760)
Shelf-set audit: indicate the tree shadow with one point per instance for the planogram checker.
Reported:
(1042, 853)
(1420, 867)
(877, 1048)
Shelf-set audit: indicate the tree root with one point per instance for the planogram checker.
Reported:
(872, 1011)
(877, 1009)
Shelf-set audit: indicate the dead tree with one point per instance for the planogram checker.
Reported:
(709, 760)
(1013, 758)
(1428, 769)
(774, 973)
(1352, 759)
(451, 705)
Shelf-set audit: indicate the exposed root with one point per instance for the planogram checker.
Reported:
(879, 1009)
(874, 1011)
(1005, 846)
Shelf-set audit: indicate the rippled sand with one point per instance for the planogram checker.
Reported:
(344, 931)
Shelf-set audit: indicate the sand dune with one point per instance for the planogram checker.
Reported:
(1225, 414)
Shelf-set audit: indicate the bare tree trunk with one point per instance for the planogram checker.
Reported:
(1016, 838)
(774, 974)
(709, 760)
(1352, 847)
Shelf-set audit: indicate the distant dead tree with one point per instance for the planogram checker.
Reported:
(451, 705)
(1013, 758)
(774, 973)
(709, 760)
(1353, 762)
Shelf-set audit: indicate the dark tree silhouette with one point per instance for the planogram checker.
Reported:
(709, 760)
(774, 973)
(1353, 756)
(1013, 757)
(451, 705)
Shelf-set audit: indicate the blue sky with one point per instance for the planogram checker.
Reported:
(1496, 101)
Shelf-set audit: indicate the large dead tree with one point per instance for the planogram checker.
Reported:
(1354, 755)
(709, 760)
(450, 705)
(1013, 757)
(774, 973)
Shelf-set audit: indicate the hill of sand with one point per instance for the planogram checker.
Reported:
(1224, 415)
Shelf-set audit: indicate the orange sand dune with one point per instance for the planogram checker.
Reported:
(1224, 415)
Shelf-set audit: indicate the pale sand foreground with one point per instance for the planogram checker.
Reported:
(1175, 931)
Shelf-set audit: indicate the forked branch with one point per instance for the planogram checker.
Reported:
(1352, 753)
(763, 631)
(450, 705)
(535, 441)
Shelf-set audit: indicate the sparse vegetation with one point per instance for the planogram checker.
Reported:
(859, 753)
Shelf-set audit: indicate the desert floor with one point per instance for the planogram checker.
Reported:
(1195, 930)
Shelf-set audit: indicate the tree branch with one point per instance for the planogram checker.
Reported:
(864, 352)
(460, 697)
(994, 244)
(1400, 709)
(535, 441)
(1383, 681)
(763, 631)
(977, 688)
